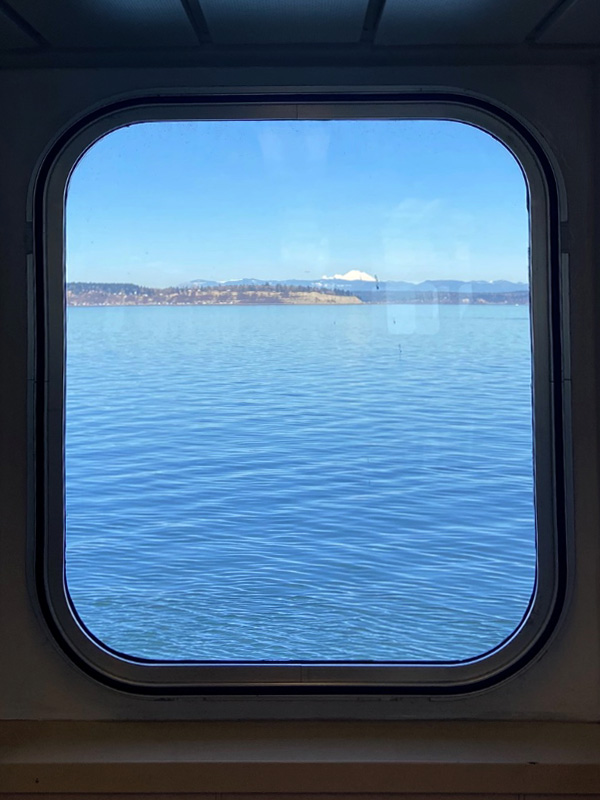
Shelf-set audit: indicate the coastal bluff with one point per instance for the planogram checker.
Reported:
(128, 294)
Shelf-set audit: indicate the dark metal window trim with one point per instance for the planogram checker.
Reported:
(47, 429)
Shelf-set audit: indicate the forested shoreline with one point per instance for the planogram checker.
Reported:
(130, 294)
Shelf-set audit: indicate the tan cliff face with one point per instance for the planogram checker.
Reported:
(319, 298)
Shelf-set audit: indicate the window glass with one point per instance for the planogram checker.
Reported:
(298, 393)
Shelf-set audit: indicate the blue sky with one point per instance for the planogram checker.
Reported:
(161, 203)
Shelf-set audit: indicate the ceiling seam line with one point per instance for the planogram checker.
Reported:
(197, 20)
(23, 25)
(549, 19)
(372, 19)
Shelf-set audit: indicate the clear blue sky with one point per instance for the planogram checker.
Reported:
(160, 203)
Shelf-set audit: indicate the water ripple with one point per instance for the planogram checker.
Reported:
(299, 482)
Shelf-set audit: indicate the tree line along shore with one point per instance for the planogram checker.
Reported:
(129, 294)
(126, 294)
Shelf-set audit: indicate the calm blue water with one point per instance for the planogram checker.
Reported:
(300, 482)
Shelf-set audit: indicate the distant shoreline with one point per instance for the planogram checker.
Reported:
(116, 294)
(81, 294)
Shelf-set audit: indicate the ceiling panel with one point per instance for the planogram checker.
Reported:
(416, 22)
(109, 23)
(579, 24)
(11, 36)
(291, 21)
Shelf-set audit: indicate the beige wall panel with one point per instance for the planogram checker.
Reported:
(37, 679)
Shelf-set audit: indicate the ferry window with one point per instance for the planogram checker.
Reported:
(298, 409)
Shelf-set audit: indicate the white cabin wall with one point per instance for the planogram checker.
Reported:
(36, 680)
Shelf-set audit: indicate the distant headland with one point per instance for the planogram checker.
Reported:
(129, 294)
(335, 290)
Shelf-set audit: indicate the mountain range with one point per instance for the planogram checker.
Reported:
(373, 285)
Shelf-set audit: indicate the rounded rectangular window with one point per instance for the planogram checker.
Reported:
(302, 349)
